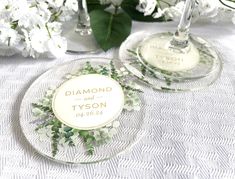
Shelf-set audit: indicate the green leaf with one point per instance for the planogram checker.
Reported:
(110, 30)
(55, 137)
(95, 4)
(83, 133)
(129, 6)
(67, 129)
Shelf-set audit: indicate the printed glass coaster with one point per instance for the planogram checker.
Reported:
(203, 75)
(65, 144)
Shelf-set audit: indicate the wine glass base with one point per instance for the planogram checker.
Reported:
(158, 54)
(79, 43)
(172, 71)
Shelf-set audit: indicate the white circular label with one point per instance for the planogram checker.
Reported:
(156, 52)
(88, 101)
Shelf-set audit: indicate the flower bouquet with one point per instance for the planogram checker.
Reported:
(35, 27)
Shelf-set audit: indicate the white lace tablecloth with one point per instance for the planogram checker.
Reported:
(188, 135)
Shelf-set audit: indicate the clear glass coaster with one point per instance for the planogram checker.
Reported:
(173, 62)
(129, 131)
(202, 75)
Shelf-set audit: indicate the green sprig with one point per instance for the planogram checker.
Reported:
(55, 136)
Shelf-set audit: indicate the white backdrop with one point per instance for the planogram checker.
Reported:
(189, 135)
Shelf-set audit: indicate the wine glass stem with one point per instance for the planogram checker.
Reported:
(181, 37)
(83, 25)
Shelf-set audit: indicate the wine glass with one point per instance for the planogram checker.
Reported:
(177, 61)
(80, 38)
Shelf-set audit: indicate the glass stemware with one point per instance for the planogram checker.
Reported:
(80, 38)
(184, 61)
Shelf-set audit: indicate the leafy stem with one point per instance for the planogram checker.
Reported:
(42, 107)
(114, 73)
(127, 87)
(88, 140)
(55, 136)
(56, 15)
(48, 31)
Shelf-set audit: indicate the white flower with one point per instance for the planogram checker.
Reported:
(146, 6)
(175, 12)
(9, 36)
(31, 19)
(72, 5)
(205, 9)
(21, 7)
(28, 50)
(31, 22)
(66, 14)
(55, 3)
(159, 13)
(57, 46)
(35, 16)
(6, 8)
(6, 5)
(210, 8)
(12, 9)
(42, 10)
(39, 38)
(55, 28)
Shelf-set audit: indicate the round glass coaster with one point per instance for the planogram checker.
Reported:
(128, 132)
(201, 75)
